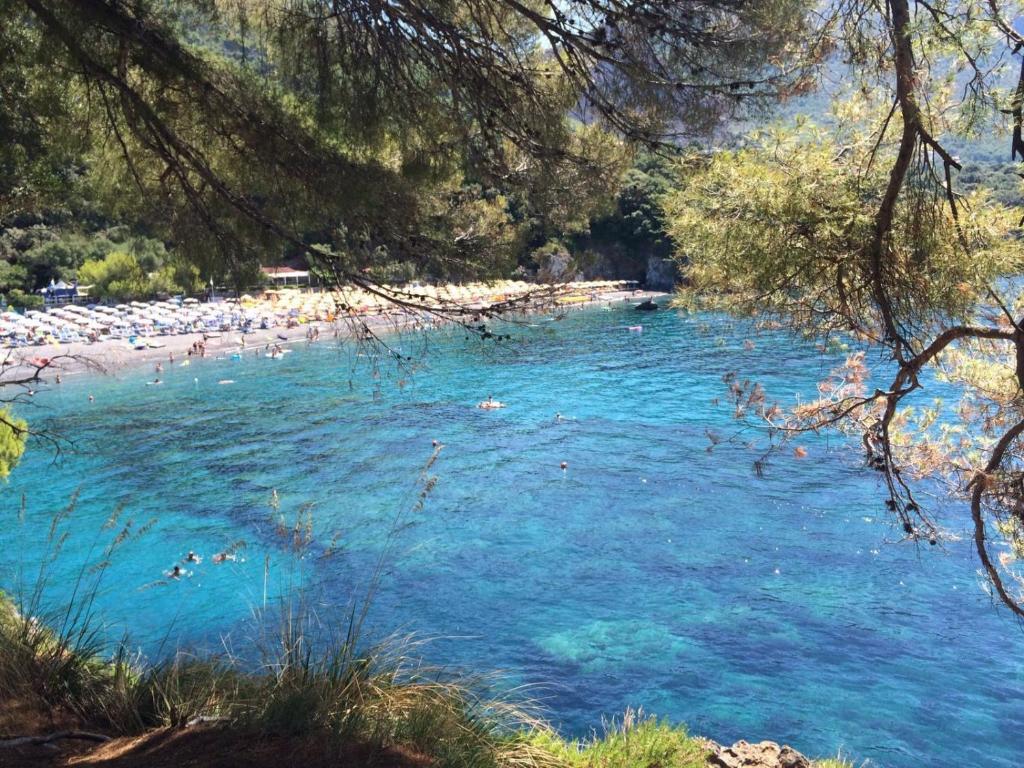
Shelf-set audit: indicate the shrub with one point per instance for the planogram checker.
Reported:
(119, 276)
(19, 298)
(634, 741)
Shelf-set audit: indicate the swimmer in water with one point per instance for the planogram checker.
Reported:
(91, 398)
(154, 381)
(175, 572)
(58, 378)
(192, 557)
(490, 404)
(223, 557)
(159, 368)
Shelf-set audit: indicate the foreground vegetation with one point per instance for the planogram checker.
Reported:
(370, 704)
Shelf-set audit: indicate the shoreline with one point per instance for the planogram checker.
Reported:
(110, 356)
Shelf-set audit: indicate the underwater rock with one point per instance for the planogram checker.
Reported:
(646, 306)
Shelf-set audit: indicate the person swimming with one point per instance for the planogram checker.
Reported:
(490, 404)
(223, 557)
(192, 557)
(175, 572)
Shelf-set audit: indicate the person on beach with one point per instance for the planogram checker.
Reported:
(58, 379)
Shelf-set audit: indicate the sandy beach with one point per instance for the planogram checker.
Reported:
(109, 356)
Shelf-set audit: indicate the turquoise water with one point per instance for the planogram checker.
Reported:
(651, 573)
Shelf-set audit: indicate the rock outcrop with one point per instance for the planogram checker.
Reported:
(662, 274)
(765, 754)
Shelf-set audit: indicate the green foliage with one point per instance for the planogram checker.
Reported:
(55, 249)
(786, 224)
(448, 143)
(59, 258)
(12, 277)
(638, 220)
(173, 279)
(120, 276)
(13, 433)
(18, 298)
(635, 742)
(1001, 179)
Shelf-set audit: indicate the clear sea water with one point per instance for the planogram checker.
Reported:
(651, 572)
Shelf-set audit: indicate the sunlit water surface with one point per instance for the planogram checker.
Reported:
(651, 573)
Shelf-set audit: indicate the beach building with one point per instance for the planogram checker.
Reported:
(283, 276)
(56, 294)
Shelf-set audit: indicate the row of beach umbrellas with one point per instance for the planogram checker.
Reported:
(72, 323)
